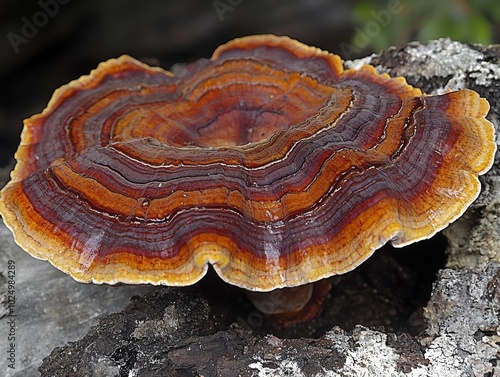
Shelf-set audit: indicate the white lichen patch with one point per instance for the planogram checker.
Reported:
(358, 63)
(448, 358)
(159, 327)
(104, 366)
(371, 356)
(446, 355)
(446, 58)
(444, 360)
(464, 305)
(442, 58)
(284, 368)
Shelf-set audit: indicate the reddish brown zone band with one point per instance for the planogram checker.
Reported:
(152, 237)
(104, 181)
(199, 161)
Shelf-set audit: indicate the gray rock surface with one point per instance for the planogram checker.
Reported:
(50, 308)
(180, 332)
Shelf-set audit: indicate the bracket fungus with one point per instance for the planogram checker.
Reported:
(268, 161)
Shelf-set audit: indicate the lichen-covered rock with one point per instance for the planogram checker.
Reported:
(463, 321)
(437, 67)
(168, 333)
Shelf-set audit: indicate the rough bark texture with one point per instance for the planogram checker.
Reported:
(369, 326)
(171, 333)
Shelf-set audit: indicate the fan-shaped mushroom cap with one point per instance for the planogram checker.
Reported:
(268, 161)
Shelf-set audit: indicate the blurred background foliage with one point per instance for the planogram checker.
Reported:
(469, 21)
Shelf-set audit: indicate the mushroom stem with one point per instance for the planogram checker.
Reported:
(290, 299)
(290, 305)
